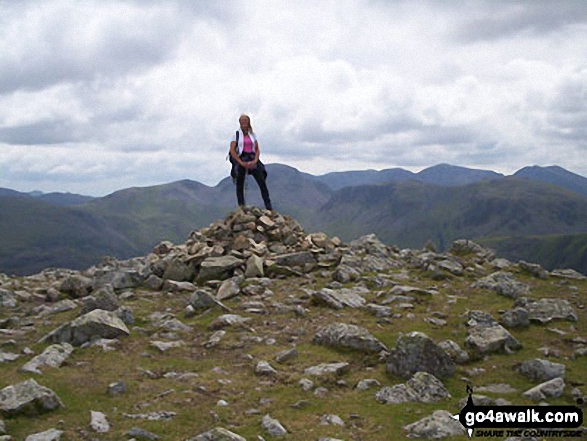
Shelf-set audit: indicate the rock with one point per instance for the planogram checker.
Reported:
(8, 357)
(76, 286)
(484, 340)
(95, 324)
(164, 346)
(141, 434)
(53, 356)
(29, 398)
(338, 299)
(202, 299)
(178, 270)
(254, 267)
(331, 420)
(218, 434)
(568, 274)
(440, 424)
(450, 266)
(346, 274)
(516, 318)
(550, 389)
(460, 356)
(546, 310)
(367, 384)
(378, 310)
(287, 355)
(7, 299)
(504, 284)
(48, 435)
(273, 427)
(341, 335)
(465, 246)
(116, 388)
(416, 352)
(98, 422)
(534, 269)
(227, 320)
(264, 369)
(218, 268)
(327, 369)
(2, 428)
(104, 298)
(422, 387)
(229, 288)
(542, 370)
(214, 339)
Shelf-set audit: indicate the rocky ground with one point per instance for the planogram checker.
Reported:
(254, 330)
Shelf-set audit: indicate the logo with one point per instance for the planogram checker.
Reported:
(541, 421)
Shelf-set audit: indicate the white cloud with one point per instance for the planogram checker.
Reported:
(120, 93)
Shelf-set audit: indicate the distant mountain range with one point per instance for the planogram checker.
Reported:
(538, 208)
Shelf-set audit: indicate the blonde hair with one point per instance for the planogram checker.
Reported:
(249, 118)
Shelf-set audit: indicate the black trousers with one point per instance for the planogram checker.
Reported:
(259, 175)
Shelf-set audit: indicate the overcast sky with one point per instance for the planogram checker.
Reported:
(97, 96)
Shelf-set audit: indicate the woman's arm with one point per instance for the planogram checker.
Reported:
(234, 155)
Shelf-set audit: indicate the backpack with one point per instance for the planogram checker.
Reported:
(233, 162)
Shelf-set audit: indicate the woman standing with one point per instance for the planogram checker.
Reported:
(244, 149)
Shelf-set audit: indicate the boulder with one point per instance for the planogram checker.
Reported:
(7, 299)
(440, 424)
(103, 298)
(327, 369)
(48, 435)
(484, 340)
(229, 288)
(29, 398)
(254, 267)
(76, 286)
(550, 389)
(516, 318)
(542, 370)
(218, 434)
(416, 352)
(503, 283)
(546, 310)
(338, 299)
(53, 356)
(218, 268)
(93, 325)
(273, 427)
(422, 388)
(341, 335)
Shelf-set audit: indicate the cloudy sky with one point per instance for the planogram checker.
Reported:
(99, 95)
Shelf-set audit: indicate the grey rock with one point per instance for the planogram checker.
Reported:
(116, 388)
(95, 324)
(367, 384)
(416, 352)
(459, 355)
(273, 427)
(48, 435)
(422, 387)
(338, 299)
(534, 269)
(286, 355)
(546, 310)
(306, 385)
(215, 339)
(341, 335)
(76, 286)
(218, 268)
(298, 259)
(452, 267)
(141, 434)
(229, 320)
(8, 357)
(378, 310)
(550, 389)
(440, 424)
(2, 427)
(53, 356)
(164, 346)
(218, 434)
(466, 246)
(516, 318)
(264, 369)
(7, 299)
(346, 274)
(542, 370)
(568, 274)
(103, 298)
(202, 299)
(177, 270)
(327, 369)
(229, 288)
(331, 420)
(98, 422)
(254, 267)
(504, 284)
(28, 397)
(484, 340)
(370, 244)
(478, 318)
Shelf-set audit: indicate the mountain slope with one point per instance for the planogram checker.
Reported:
(555, 175)
(409, 213)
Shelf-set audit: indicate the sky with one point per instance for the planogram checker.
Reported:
(101, 95)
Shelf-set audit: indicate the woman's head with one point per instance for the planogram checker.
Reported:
(245, 123)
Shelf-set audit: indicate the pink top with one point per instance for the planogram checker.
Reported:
(247, 144)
